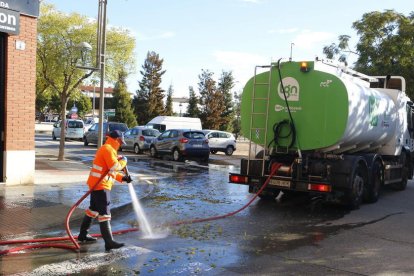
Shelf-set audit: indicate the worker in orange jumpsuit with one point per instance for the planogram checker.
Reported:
(106, 161)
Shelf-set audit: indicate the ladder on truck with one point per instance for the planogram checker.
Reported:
(255, 115)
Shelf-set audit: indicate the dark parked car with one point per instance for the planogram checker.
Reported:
(139, 138)
(91, 136)
(181, 144)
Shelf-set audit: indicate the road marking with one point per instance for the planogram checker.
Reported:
(91, 261)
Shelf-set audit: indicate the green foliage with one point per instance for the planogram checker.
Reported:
(169, 103)
(236, 124)
(385, 45)
(82, 102)
(58, 54)
(148, 101)
(192, 108)
(123, 109)
(225, 85)
(342, 49)
(211, 100)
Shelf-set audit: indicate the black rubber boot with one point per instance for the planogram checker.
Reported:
(83, 234)
(107, 236)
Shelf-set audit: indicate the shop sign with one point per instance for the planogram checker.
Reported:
(27, 7)
(9, 21)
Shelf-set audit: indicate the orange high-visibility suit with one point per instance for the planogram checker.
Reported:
(106, 160)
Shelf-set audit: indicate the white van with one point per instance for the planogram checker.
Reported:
(74, 129)
(162, 123)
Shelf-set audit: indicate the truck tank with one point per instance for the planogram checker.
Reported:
(333, 111)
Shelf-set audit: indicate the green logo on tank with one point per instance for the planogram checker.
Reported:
(373, 110)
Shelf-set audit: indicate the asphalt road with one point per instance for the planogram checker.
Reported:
(290, 236)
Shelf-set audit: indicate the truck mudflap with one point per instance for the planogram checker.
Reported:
(282, 183)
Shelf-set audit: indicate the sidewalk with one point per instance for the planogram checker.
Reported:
(30, 210)
(26, 210)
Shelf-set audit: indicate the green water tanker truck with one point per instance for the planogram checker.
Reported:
(330, 131)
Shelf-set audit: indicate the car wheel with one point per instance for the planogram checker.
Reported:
(213, 151)
(229, 150)
(176, 155)
(137, 150)
(205, 159)
(85, 141)
(153, 152)
(53, 136)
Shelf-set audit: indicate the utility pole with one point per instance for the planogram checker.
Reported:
(100, 57)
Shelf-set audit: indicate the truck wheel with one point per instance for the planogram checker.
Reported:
(404, 174)
(372, 189)
(229, 150)
(177, 155)
(356, 191)
(403, 184)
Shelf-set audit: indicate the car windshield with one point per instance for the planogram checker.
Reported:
(121, 127)
(194, 135)
(150, 132)
(75, 124)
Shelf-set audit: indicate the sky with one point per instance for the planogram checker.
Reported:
(229, 35)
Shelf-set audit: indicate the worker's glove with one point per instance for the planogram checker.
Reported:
(122, 160)
(127, 179)
(121, 157)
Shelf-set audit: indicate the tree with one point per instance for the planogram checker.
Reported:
(59, 35)
(236, 124)
(149, 99)
(123, 110)
(225, 85)
(211, 100)
(192, 108)
(82, 102)
(169, 103)
(384, 46)
(342, 49)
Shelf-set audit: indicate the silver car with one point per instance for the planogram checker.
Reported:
(74, 129)
(139, 138)
(220, 141)
(91, 136)
(181, 144)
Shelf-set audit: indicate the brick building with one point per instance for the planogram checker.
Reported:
(18, 32)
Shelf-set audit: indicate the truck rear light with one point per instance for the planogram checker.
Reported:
(183, 140)
(141, 138)
(320, 187)
(238, 178)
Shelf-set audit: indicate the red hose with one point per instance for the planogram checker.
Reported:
(76, 246)
(275, 167)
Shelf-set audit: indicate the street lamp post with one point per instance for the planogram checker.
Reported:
(101, 52)
(100, 62)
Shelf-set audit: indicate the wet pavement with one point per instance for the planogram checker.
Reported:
(295, 235)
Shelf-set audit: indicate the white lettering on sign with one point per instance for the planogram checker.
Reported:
(4, 4)
(8, 19)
